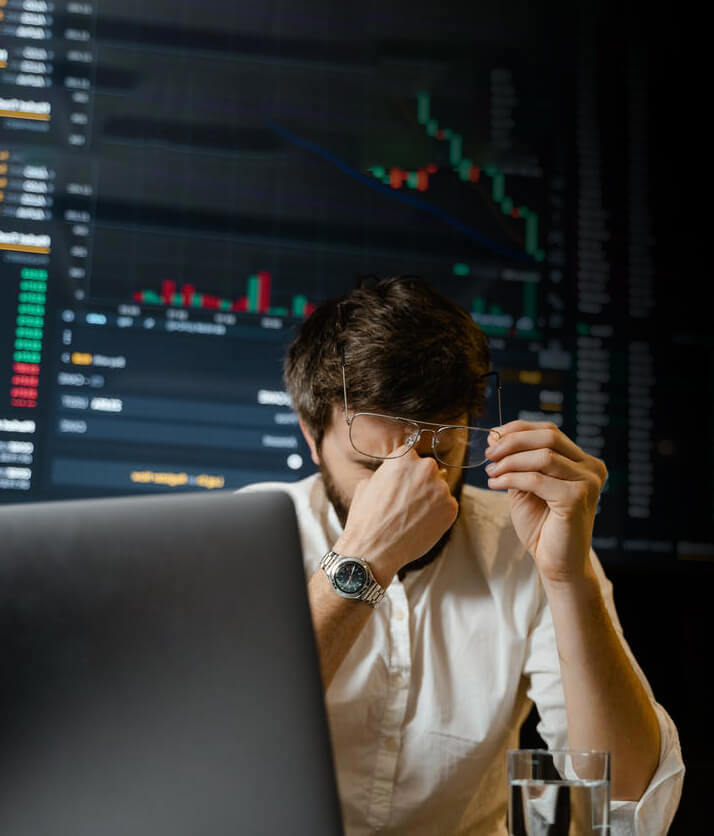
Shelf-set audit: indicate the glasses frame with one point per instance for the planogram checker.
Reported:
(422, 425)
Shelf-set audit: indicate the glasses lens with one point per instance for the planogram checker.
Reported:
(379, 436)
(462, 446)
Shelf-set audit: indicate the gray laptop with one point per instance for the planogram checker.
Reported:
(159, 672)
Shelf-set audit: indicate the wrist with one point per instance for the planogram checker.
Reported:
(582, 584)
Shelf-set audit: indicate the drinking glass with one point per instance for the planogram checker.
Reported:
(559, 792)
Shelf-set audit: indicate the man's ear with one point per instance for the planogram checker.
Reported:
(314, 455)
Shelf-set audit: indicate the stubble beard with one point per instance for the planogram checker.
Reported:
(342, 508)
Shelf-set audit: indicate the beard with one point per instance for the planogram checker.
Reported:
(342, 509)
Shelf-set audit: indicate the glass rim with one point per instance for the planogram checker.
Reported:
(559, 751)
(553, 766)
(419, 426)
(416, 423)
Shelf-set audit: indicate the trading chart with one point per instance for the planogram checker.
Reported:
(182, 183)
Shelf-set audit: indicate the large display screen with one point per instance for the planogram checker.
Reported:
(182, 182)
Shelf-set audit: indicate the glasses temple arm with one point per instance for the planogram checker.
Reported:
(498, 393)
(341, 350)
(344, 390)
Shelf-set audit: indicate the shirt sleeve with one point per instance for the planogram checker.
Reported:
(653, 813)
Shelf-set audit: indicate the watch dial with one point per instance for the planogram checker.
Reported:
(350, 577)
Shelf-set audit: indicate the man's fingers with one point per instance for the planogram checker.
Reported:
(566, 492)
(534, 439)
(546, 460)
(547, 488)
(519, 426)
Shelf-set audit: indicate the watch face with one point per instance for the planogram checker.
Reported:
(350, 577)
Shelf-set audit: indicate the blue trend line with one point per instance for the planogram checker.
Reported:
(395, 195)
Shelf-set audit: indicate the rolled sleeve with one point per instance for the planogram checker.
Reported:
(652, 815)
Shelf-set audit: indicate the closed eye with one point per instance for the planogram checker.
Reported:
(370, 464)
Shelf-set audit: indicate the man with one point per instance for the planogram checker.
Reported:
(442, 612)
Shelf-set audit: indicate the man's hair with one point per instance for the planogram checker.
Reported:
(408, 351)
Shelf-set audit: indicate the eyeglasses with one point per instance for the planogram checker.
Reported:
(389, 437)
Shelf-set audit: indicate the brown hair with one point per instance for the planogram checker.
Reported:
(408, 351)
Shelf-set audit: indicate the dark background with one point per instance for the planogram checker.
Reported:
(666, 611)
(224, 139)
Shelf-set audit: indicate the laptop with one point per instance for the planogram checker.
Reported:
(159, 670)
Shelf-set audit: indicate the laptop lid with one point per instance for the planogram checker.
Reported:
(160, 674)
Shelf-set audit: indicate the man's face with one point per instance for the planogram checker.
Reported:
(342, 467)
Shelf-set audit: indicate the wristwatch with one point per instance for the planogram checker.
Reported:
(351, 577)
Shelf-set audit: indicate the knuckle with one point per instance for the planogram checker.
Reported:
(595, 485)
(505, 445)
(430, 465)
(597, 468)
(505, 463)
(533, 481)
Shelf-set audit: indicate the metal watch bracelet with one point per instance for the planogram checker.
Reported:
(372, 593)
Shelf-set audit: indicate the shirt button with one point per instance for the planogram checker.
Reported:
(400, 680)
(399, 615)
(391, 744)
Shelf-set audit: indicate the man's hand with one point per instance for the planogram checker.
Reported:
(398, 514)
(554, 488)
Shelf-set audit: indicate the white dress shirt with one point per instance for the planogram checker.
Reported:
(437, 684)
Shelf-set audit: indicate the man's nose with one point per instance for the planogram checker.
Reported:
(423, 446)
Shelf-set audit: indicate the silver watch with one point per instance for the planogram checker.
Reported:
(351, 577)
